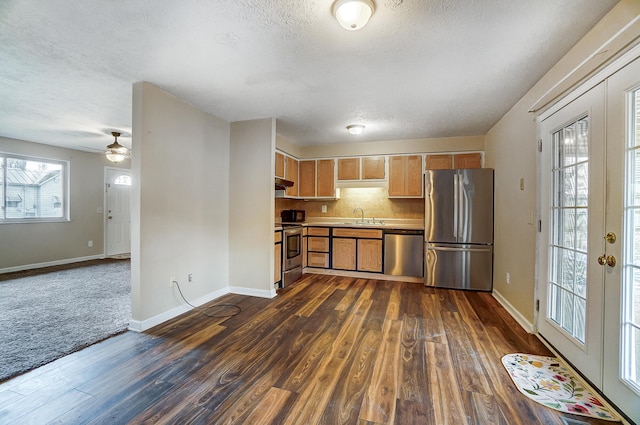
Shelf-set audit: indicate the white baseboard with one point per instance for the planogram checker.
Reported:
(141, 326)
(51, 263)
(262, 293)
(522, 321)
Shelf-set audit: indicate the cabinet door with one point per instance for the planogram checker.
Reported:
(439, 162)
(277, 262)
(344, 254)
(279, 165)
(304, 251)
(349, 169)
(396, 176)
(326, 178)
(467, 160)
(307, 174)
(413, 175)
(318, 259)
(370, 255)
(373, 167)
(319, 244)
(291, 173)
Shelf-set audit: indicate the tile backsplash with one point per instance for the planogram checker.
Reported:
(374, 201)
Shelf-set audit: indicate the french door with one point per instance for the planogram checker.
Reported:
(589, 280)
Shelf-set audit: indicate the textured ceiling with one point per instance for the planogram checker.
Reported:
(420, 68)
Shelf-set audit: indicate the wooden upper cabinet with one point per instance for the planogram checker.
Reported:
(396, 176)
(279, 165)
(349, 169)
(326, 181)
(413, 175)
(373, 167)
(291, 173)
(307, 175)
(467, 160)
(439, 162)
(405, 176)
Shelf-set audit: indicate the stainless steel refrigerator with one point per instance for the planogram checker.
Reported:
(458, 229)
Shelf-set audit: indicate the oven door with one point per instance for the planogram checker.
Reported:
(292, 248)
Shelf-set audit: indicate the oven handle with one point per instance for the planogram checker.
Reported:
(292, 231)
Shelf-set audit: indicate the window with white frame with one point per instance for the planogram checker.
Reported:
(33, 189)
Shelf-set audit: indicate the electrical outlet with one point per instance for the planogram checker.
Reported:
(190, 277)
(172, 279)
(508, 277)
(324, 208)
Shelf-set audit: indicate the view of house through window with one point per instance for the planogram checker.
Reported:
(32, 189)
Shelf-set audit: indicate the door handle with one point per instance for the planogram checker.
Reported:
(109, 217)
(611, 237)
(608, 260)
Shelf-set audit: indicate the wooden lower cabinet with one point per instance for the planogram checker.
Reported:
(304, 248)
(277, 257)
(344, 254)
(317, 247)
(319, 244)
(318, 259)
(370, 255)
(351, 249)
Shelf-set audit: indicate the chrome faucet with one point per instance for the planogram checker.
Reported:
(361, 212)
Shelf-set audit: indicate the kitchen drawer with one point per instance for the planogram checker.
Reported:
(277, 236)
(318, 259)
(315, 243)
(318, 231)
(357, 233)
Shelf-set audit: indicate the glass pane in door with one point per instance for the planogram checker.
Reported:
(569, 213)
(630, 335)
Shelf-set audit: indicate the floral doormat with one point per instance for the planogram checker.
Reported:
(546, 381)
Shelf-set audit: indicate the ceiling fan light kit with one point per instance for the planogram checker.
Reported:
(353, 15)
(116, 152)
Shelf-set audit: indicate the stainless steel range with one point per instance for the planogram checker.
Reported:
(292, 253)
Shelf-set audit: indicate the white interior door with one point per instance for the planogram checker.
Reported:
(118, 212)
(572, 214)
(621, 362)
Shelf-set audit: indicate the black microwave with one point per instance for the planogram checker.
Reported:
(292, 216)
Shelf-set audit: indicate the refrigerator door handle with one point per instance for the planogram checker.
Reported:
(456, 191)
(442, 248)
(461, 207)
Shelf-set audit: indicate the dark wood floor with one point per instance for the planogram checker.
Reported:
(327, 350)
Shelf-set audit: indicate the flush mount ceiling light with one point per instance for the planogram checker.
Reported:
(355, 129)
(116, 152)
(353, 14)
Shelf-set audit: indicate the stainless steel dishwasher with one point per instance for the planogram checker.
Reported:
(404, 252)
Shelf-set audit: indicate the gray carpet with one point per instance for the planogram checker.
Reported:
(46, 316)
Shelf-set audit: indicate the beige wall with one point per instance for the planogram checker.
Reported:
(251, 206)
(180, 203)
(35, 244)
(387, 147)
(511, 148)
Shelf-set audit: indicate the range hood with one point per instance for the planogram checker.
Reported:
(282, 184)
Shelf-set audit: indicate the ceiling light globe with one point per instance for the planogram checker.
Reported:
(352, 15)
(355, 129)
(115, 151)
(115, 157)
